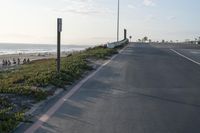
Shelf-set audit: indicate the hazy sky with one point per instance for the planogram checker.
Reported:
(94, 21)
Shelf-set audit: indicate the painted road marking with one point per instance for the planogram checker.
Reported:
(185, 57)
(45, 117)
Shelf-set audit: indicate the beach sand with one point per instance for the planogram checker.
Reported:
(30, 56)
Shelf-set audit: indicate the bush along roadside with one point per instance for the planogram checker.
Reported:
(27, 82)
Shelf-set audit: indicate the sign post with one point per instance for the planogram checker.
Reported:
(130, 38)
(59, 30)
(125, 33)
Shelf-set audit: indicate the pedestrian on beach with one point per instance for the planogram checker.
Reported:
(6, 62)
(9, 63)
(18, 61)
(14, 61)
(3, 62)
(28, 60)
(24, 61)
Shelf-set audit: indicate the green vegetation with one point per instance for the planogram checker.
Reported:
(9, 119)
(30, 79)
(145, 39)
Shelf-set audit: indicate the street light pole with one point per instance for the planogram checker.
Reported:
(118, 22)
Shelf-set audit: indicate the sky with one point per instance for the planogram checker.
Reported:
(95, 21)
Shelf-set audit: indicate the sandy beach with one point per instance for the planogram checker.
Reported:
(30, 56)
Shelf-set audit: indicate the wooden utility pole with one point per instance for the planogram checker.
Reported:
(59, 30)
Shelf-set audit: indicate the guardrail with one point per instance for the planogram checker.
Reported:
(117, 44)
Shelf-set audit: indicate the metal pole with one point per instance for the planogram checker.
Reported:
(118, 22)
(125, 33)
(59, 29)
(130, 38)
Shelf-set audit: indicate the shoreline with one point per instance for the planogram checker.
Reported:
(30, 56)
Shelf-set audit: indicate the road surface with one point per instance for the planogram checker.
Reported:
(145, 89)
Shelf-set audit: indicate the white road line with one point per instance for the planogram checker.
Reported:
(185, 57)
(45, 117)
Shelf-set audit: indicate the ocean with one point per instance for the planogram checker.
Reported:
(9, 48)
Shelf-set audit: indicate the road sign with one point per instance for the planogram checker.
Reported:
(59, 24)
(130, 38)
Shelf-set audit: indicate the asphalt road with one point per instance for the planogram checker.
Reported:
(145, 89)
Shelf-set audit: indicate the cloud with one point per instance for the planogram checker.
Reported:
(171, 17)
(148, 3)
(131, 6)
(87, 7)
(150, 18)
